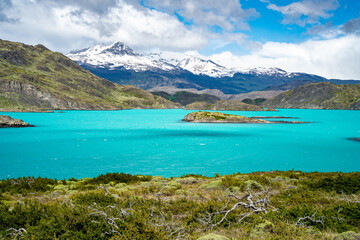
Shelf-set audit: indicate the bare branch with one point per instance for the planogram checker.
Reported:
(105, 189)
(301, 221)
(110, 215)
(16, 233)
(253, 205)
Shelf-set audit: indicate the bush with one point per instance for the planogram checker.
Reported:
(232, 181)
(26, 185)
(349, 184)
(117, 178)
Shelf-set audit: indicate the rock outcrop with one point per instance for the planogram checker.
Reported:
(217, 117)
(8, 122)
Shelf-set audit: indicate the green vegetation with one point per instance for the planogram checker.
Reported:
(226, 105)
(118, 178)
(319, 96)
(256, 101)
(33, 78)
(218, 117)
(185, 98)
(263, 205)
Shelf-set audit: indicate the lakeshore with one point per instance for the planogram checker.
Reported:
(259, 205)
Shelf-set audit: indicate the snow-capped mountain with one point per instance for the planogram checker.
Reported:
(120, 64)
(206, 67)
(272, 71)
(117, 55)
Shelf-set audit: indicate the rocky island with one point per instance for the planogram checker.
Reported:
(7, 122)
(217, 117)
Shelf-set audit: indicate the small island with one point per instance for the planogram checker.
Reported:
(217, 117)
(9, 122)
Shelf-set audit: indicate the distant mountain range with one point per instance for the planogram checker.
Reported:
(120, 64)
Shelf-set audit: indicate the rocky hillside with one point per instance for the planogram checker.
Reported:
(319, 96)
(185, 98)
(35, 78)
(225, 105)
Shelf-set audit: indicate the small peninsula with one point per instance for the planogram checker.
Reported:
(8, 122)
(217, 117)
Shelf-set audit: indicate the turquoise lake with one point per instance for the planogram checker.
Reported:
(87, 143)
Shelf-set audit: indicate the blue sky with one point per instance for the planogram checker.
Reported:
(314, 36)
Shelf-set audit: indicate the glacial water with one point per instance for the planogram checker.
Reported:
(87, 143)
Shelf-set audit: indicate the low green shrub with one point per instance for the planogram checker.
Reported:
(348, 184)
(117, 178)
(26, 184)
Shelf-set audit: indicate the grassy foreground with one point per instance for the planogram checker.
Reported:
(268, 205)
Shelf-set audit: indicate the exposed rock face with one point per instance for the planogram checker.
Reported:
(34, 96)
(33, 78)
(226, 105)
(355, 105)
(7, 122)
(217, 117)
(318, 96)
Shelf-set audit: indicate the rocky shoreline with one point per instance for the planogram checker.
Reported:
(9, 122)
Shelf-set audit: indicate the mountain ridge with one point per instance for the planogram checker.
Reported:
(35, 78)
(322, 95)
(183, 71)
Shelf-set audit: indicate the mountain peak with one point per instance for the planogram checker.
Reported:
(119, 48)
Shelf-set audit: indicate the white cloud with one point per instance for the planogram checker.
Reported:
(333, 58)
(306, 11)
(227, 14)
(64, 26)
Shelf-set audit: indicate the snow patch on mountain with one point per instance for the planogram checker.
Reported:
(118, 55)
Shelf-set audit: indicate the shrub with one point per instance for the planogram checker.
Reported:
(349, 184)
(26, 184)
(117, 178)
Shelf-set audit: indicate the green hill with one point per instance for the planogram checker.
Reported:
(319, 96)
(35, 78)
(185, 98)
(226, 105)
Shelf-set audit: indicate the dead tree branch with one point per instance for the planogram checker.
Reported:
(105, 189)
(172, 227)
(301, 221)
(110, 215)
(251, 204)
(16, 233)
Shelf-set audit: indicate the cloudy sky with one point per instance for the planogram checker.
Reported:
(315, 36)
